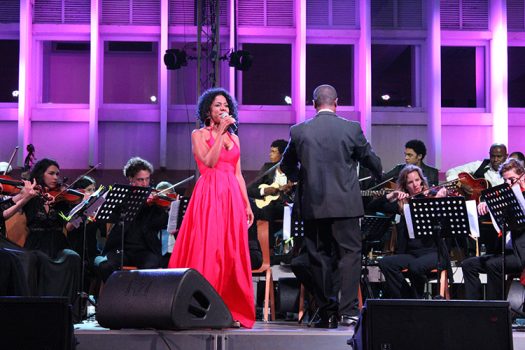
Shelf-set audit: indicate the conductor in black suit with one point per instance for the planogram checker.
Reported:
(322, 155)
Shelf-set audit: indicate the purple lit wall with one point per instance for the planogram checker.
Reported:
(78, 112)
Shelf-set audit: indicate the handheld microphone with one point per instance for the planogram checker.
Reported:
(233, 127)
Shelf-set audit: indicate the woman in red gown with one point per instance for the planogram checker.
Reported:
(213, 238)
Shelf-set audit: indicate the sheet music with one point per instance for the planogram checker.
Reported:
(287, 222)
(472, 212)
(173, 219)
(408, 220)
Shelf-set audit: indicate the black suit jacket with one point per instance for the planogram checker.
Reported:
(322, 155)
(430, 173)
(253, 188)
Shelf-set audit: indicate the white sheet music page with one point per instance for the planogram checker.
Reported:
(472, 213)
(287, 221)
(173, 217)
(408, 220)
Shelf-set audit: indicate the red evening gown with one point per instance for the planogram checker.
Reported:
(213, 237)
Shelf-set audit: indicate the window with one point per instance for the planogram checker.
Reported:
(9, 70)
(268, 81)
(65, 72)
(131, 72)
(462, 76)
(516, 76)
(330, 64)
(393, 75)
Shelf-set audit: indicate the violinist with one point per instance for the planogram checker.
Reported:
(17, 272)
(142, 245)
(167, 239)
(9, 206)
(512, 171)
(87, 186)
(59, 274)
(417, 255)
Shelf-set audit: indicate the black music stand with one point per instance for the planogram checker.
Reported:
(297, 228)
(122, 205)
(183, 206)
(80, 214)
(439, 218)
(506, 210)
(373, 229)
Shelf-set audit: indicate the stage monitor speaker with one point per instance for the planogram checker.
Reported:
(35, 323)
(433, 324)
(161, 299)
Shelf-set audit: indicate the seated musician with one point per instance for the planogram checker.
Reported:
(17, 266)
(512, 171)
(415, 152)
(142, 245)
(87, 249)
(519, 156)
(417, 255)
(59, 273)
(269, 183)
(11, 204)
(487, 168)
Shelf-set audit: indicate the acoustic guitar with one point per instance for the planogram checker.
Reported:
(263, 202)
(470, 187)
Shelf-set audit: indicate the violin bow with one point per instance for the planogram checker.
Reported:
(11, 159)
(79, 177)
(378, 185)
(176, 185)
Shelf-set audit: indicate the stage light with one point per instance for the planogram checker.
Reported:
(241, 60)
(175, 58)
(15, 93)
(385, 97)
(288, 100)
(153, 99)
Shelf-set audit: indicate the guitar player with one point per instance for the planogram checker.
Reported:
(270, 189)
(487, 169)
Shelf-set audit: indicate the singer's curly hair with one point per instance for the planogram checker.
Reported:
(206, 99)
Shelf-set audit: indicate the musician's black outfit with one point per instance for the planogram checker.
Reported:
(417, 255)
(272, 212)
(142, 242)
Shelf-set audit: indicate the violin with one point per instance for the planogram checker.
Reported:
(160, 199)
(10, 186)
(68, 195)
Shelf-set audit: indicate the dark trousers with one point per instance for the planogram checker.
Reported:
(334, 256)
(396, 286)
(491, 265)
(143, 259)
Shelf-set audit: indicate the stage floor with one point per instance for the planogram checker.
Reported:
(263, 336)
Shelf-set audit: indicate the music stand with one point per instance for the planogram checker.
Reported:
(78, 214)
(508, 214)
(373, 228)
(438, 218)
(122, 205)
(183, 206)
